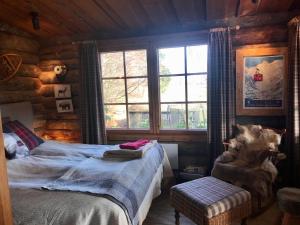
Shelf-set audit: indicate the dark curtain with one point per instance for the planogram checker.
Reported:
(293, 113)
(91, 103)
(221, 92)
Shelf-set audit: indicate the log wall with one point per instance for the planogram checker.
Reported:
(60, 126)
(25, 85)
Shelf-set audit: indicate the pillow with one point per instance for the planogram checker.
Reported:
(14, 146)
(10, 146)
(26, 135)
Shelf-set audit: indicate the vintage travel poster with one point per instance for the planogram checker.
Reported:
(263, 81)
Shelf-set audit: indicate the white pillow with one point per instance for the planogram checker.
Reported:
(14, 143)
(10, 143)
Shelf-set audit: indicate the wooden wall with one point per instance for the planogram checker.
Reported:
(60, 126)
(26, 84)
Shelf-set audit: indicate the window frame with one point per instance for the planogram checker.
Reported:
(125, 78)
(151, 44)
(185, 102)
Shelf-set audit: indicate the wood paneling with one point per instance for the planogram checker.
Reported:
(190, 11)
(5, 204)
(220, 9)
(249, 7)
(119, 18)
(60, 126)
(25, 85)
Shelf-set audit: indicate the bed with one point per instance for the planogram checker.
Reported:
(61, 183)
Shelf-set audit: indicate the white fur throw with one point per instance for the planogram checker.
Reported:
(253, 147)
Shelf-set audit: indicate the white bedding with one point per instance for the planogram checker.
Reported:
(61, 157)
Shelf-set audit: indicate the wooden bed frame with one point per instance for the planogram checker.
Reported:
(5, 203)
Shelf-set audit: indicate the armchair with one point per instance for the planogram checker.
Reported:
(248, 163)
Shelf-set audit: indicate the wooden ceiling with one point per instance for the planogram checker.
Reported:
(119, 18)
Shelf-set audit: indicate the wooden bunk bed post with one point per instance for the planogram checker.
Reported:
(5, 204)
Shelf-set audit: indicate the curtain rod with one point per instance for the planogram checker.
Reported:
(237, 27)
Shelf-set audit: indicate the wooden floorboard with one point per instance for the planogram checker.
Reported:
(161, 213)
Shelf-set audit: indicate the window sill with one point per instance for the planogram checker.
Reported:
(163, 136)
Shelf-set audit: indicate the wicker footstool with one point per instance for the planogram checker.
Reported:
(210, 201)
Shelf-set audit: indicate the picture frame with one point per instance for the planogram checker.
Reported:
(261, 80)
(64, 105)
(62, 91)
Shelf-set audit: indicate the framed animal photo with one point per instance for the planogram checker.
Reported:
(261, 79)
(62, 91)
(64, 105)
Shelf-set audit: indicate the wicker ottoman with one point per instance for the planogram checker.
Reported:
(210, 201)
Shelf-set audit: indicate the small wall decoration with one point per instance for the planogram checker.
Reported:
(60, 72)
(62, 91)
(9, 66)
(64, 105)
(261, 73)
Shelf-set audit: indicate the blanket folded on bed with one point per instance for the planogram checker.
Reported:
(125, 183)
(134, 145)
(117, 152)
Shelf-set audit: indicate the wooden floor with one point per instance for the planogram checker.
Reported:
(161, 213)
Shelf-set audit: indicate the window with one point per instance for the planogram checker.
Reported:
(125, 89)
(183, 87)
(179, 83)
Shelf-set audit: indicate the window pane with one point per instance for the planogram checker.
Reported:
(112, 64)
(197, 116)
(136, 63)
(171, 60)
(172, 89)
(137, 90)
(173, 116)
(114, 91)
(197, 87)
(115, 116)
(196, 59)
(138, 116)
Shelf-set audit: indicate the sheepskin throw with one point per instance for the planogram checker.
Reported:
(249, 158)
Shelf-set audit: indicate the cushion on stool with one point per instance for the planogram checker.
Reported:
(210, 195)
(289, 200)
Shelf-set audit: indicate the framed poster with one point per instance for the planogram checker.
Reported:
(62, 91)
(261, 78)
(64, 105)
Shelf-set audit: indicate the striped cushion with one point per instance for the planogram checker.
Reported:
(211, 195)
(26, 135)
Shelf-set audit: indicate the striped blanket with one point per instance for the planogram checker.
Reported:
(125, 183)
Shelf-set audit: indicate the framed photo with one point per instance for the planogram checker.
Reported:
(62, 91)
(261, 79)
(64, 105)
